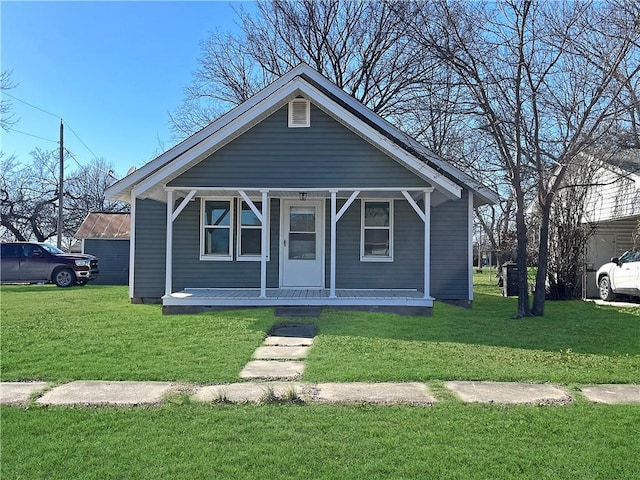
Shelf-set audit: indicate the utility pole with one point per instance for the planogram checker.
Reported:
(61, 185)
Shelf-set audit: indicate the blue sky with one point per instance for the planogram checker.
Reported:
(112, 70)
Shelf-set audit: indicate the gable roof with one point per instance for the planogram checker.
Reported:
(302, 80)
(106, 225)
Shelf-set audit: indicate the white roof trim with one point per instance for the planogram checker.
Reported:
(124, 186)
(294, 87)
(232, 124)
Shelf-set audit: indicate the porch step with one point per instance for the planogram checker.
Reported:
(304, 311)
(296, 330)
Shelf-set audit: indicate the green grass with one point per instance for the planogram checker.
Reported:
(575, 342)
(285, 441)
(94, 332)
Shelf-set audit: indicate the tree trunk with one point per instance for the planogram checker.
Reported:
(521, 249)
(539, 295)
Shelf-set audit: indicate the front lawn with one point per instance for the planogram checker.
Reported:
(450, 440)
(94, 332)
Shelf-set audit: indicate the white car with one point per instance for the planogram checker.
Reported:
(620, 276)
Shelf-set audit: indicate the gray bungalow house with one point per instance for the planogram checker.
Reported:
(300, 196)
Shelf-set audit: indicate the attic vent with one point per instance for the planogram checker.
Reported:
(299, 113)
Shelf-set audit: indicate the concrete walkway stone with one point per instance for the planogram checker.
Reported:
(280, 353)
(246, 392)
(288, 341)
(375, 393)
(19, 393)
(509, 393)
(106, 393)
(272, 369)
(612, 394)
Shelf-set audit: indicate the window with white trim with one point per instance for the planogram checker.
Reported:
(217, 232)
(376, 236)
(250, 232)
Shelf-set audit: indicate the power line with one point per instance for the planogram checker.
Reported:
(32, 135)
(31, 105)
(73, 156)
(53, 115)
(76, 135)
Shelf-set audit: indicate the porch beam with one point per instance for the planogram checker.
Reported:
(252, 205)
(415, 206)
(168, 274)
(347, 204)
(427, 245)
(182, 205)
(263, 248)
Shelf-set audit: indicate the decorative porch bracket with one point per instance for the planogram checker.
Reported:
(426, 218)
(262, 217)
(171, 216)
(335, 216)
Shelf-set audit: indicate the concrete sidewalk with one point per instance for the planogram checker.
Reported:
(105, 393)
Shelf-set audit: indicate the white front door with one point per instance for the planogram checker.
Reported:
(302, 244)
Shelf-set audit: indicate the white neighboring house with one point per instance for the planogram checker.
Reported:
(612, 212)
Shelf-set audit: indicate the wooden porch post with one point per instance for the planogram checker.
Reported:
(168, 255)
(334, 220)
(263, 247)
(427, 244)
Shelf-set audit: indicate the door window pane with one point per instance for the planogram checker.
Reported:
(302, 219)
(302, 246)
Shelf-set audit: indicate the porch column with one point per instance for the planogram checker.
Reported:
(169, 253)
(263, 247)
(132, 244)
(427, 244)
(332, 268)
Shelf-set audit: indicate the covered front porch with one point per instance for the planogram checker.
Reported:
(299, 290)
(404, 301)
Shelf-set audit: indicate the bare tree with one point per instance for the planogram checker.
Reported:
(29, 196)
(7, 117)
(544, 82)
(361, 46)
(84, 193)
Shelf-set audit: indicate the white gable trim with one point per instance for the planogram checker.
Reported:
(296, 86)
(272, 96)
(123, 187)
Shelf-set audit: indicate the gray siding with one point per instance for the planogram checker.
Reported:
(113, 260)
(150, 248)
(326, 154)
(190, 271)
(450, 250)
(406, 270)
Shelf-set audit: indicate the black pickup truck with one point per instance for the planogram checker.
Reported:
(25, 262)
